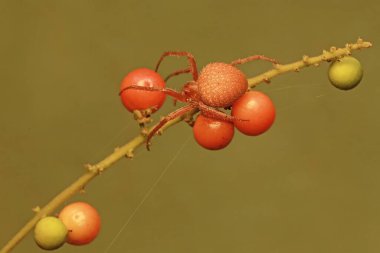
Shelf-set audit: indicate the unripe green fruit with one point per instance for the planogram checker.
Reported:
(345, 73)
(50, 233)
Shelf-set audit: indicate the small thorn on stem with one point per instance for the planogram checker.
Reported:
(326, 56)
(36, 209)
(129, 154)
(266, 80)
(306, 59)
(94, 168)
(99, 169)
(88, 167)
(332, 49)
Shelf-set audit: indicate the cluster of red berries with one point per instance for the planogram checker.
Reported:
(77, 224)
(252, 112)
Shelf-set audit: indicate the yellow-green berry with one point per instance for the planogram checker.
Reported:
(345, 73)
(50, 233)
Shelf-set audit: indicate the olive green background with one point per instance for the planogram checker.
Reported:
(308, 185)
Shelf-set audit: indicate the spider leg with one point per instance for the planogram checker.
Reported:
(170, 116)
(175, 94)
(214, 113)
(253, 58)
(178, 72)
(190, 58)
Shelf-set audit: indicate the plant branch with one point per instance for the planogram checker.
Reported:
(127, 150)
(78, 185)
(327, 56)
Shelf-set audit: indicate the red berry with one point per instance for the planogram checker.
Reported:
(82, 221)
(134, 99)
(211, 133)
(254, 113)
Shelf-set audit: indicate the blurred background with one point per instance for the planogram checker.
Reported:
(310, 184)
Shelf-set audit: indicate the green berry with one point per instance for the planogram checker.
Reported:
(50, 233)
(345, 73)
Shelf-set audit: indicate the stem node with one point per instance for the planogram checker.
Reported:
(88, 167)
(306, 60)
(36, 209)
(129, 154)
(266, 80)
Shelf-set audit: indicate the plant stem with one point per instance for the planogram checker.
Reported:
(331, 55)
(127, 150)
(78, 185)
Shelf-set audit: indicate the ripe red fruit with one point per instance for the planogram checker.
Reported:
(211, 133)
(82, 221)
(255, 111)
(134, 99)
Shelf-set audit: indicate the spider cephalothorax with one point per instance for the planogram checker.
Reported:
(217, 86)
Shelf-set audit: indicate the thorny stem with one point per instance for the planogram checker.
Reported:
(127, 150)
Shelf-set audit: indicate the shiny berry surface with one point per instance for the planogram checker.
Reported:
(82, 221)
(255, 111)
(345, 73)
(211, 133)
(134, 99)
(50, 233)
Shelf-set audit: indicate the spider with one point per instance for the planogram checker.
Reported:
(217, 86)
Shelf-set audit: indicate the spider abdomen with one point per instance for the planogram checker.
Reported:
(220, 84)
